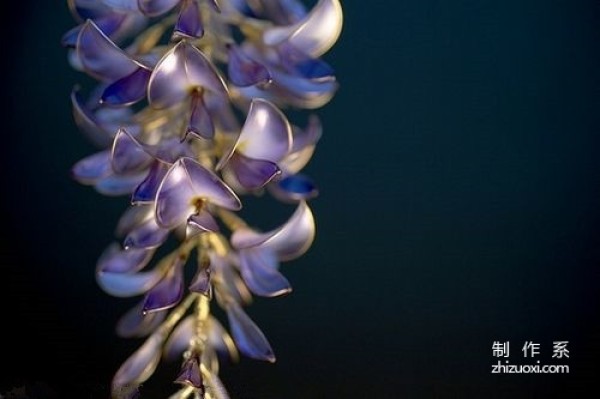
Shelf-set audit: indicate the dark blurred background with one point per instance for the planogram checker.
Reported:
(460, 205)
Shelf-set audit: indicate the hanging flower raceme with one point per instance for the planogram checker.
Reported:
(188, 114)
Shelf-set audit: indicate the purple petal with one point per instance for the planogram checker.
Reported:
(203, 222)
(154, 8)
(302, 92)
(114, 185)
(190, 373)
(87, 122)
(248, 337)
(182, 70)
(87, 9)
(201, 281)
(308, 136)
(122, 5)
(101, 57)
(244, 71)
(201, 123)
(109, 24)
(315, 33)
(128, 155)
(259, 271)
(220, 340)
(146, 235)
(92, 168)
(223, 271)
(294, 188)
(253, 173)
(189, 21)
(288, 241)
(135, 323)
(184, 185)
(179, 339)
(147, 189)
(127, 90)
(223, 116)
(132, 217)
(116, 260)
(140, 365)
(301, 64)
(168, 292)
(128, 284)
(171, 149)
(266, 134)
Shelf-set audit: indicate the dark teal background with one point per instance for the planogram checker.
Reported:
(460, 205)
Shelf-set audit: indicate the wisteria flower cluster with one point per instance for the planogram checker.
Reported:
(186, 108)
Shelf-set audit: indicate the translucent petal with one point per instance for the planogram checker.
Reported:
(128, 155)
(248, 337)
(201, 281)
(203, 221)
(140, 365)
(315, 33)
(182, 70)
(179, 339)
(128, 284)
(308, 136)
(86, 122)
(122, 5)
(100, 57)
(132, 217)
(135, 323)
(220, 340)
(92, 168)
(266, 134)
(109, 24)
(201, 123)
(253, 173)
(189, 22)
(303, 92)
(259, 271)
(117, 260)
(156, 7)
(301, 64)
(146, 235)
(146, 191)
(115, 185)
(185, 183)
(87, 9)
(169, 291)
(190, 373)
(127, 90)
(294, 188)
(288, 241)
(243, 70)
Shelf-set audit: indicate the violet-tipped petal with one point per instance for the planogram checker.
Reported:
(154, 8)
(201, 123)
(249, 339)
(181, 71)
(253, 173)
(168, 292)
(140, 365)
(128, 284)
(127, 90)
(186, 183)
(201, 281)
(116, 185)
(259, 271)
(101, 57)
(189, 21)
(117, 260)
(294, 188)
(190, 373)
(92, 168)
(146, 191)
(289, 241)
(315, 33)
(128, 155)
(135, 323)
(244, 71)
(148, 234)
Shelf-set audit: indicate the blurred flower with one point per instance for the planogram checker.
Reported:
(187, 115)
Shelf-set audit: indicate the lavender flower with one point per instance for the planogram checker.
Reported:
(187, 126)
